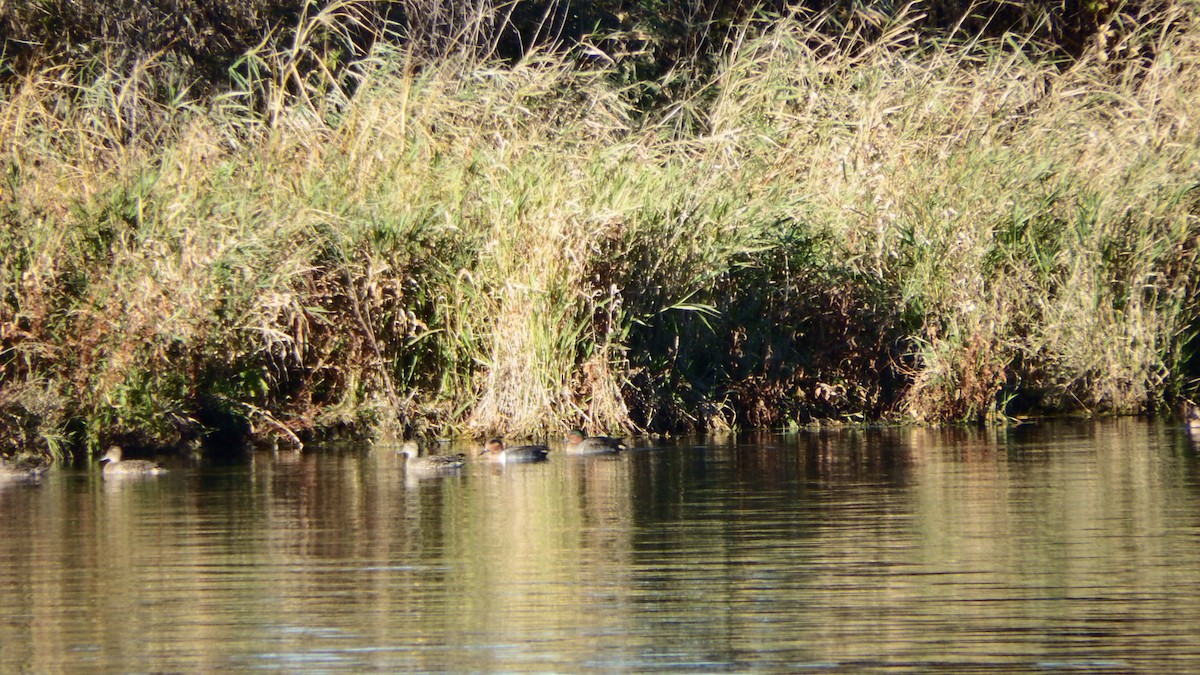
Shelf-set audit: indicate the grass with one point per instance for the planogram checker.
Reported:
(829, 228)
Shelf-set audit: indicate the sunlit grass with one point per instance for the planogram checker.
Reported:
(842, 230)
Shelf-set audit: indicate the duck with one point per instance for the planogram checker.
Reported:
(578, 444)
(1190, 414)
(21, 470)
(494, 451)
(415, 462)
(115, 466)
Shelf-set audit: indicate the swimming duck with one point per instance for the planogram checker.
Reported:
(23, 469)
(414, 461)
(494, 451)
(578, 444)
(115, 466)
(1190, 414)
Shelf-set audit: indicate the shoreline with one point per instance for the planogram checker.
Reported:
(895, 229)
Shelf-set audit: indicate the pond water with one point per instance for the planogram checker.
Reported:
(1071, 546)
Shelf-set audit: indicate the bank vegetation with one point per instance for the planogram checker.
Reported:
(830, 216)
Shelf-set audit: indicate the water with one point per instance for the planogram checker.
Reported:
(1066, 547)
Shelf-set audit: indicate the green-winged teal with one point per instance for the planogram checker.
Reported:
(494, 451)
(115, 466)
(578, 444)
(414, 461)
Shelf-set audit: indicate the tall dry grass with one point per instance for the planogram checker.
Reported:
(843, 228)
(1025, 213)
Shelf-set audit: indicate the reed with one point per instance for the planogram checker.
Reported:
(845, 228)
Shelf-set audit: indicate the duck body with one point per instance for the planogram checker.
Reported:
(494, 451)
(415, 462)
(21, 470)
(578, 444)
(115, 466)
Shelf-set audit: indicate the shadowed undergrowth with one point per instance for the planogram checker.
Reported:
(830, 228)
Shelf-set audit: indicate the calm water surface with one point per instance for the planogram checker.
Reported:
(1060, 547)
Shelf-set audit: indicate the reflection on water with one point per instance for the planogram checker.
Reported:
(1058, 547)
